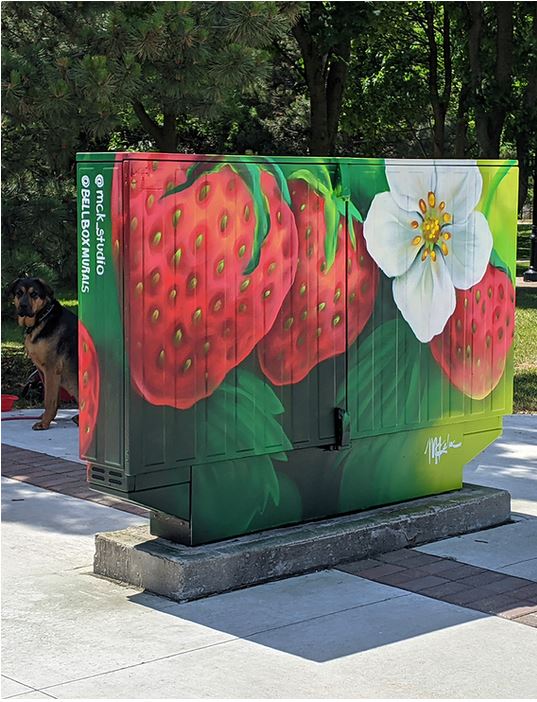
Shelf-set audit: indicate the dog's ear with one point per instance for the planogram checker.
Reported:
(11, 289)
(47, 290)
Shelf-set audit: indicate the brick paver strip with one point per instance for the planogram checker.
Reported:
(529, 619)
(450, 581)
(58, 475)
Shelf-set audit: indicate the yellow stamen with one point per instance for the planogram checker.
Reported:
(416, 240)
(446, 218)
(441, 206)
(423, 206)
(447, 236)
(432, 199)
(444, 248)
(433, 255)
(424, 254)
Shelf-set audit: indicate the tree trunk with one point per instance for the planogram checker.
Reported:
(325, 71)
(526, 137)
(490, 114)
(439, 100)
(165, 136)
(461, 127)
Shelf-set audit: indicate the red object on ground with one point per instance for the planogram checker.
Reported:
(8, 402)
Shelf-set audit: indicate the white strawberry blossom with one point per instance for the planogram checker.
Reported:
(426, 234)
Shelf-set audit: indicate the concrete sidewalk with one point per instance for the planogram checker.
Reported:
(363, 632)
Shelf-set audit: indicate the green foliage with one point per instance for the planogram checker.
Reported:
(230, 77)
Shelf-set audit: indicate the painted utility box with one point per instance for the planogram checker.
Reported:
(266, 341)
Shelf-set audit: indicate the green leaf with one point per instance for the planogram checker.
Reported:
(230, 495)
(499, 202)
(497, 262)
(391, 375)
(366, 181)
(243, 412)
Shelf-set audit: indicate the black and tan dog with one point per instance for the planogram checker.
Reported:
(51, 341)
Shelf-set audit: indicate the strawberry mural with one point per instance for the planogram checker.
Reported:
(473, 347)
(334, 291)
(208, 266)
(88, 387)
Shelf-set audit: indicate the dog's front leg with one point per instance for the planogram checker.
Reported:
(52, 390)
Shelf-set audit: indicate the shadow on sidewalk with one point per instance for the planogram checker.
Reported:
(297, 617)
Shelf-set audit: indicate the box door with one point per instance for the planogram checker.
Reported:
(304, 354)
(235, 309)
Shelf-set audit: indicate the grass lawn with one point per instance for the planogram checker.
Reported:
(523, 249)
(16, 367)
(525, 390)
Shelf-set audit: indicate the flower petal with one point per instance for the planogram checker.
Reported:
(460, 188)
(426, 297)
(388, 235)
(469, 251)
(410, 182)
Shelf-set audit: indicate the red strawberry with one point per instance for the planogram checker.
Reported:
(329, 303)
(473, 347)
(194, 310)
(88, 387)
(159, 177)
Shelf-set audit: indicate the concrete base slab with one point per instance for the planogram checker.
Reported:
(185, 573)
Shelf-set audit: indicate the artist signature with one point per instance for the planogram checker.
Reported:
(436, 447)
